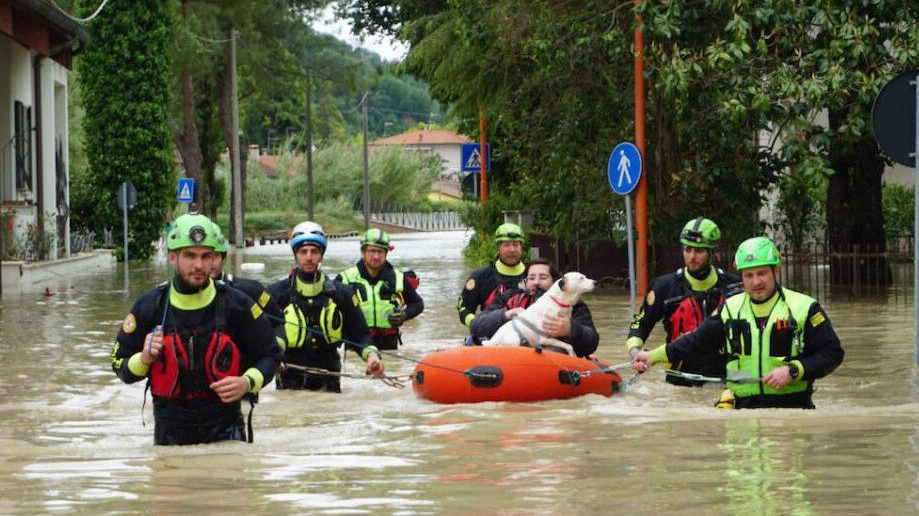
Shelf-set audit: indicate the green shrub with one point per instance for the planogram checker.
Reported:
(899, 205)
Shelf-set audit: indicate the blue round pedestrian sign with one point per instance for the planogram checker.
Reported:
(624, 168)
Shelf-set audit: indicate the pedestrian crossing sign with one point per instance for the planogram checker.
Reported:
(186, 189)
(471, 157)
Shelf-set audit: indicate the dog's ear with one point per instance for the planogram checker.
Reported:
(561, 283)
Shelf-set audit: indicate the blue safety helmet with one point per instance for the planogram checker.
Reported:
(308, 233)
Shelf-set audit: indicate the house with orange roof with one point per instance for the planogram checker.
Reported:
(442, 142)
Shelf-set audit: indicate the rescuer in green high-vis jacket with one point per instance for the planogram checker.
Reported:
(776, 341)
(388, 295)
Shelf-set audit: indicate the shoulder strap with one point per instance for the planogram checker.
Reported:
(221, 308)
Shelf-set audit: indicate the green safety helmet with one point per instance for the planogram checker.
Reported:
(374, 237)
(700, 232)
(509, 232)
(756, 252)
(221, 241)
(190, 230)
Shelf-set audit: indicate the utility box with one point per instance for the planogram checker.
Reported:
(524, 219)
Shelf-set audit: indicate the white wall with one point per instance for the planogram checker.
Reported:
(17, 84)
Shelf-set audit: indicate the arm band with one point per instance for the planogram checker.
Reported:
(255, 379)
(137, 367)
(634, 342)
(365, 354)
(658, 354)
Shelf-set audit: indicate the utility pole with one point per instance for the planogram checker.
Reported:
(641, 194)
(310, 193)
(366, 166)
(234, 148)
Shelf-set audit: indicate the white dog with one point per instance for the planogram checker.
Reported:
(526, 329)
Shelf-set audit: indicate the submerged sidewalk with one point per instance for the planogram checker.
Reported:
(19, 276)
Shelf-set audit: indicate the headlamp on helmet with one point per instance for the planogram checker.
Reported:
(191, 230)
(700, 232)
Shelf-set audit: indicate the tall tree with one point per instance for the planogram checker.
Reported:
(202, 129)
(125, 88)
(723, 77)
(806, 73)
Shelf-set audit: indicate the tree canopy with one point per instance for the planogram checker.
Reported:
(124, 75)
(174, 57)
(744, 96)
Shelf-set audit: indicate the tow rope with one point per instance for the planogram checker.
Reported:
(397, 382)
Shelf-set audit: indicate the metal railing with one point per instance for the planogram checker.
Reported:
(434, 221)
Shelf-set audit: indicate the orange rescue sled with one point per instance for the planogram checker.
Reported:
(472, 374)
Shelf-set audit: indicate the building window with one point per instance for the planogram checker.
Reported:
(22, 147)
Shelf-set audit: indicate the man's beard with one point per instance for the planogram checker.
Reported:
(187, 284)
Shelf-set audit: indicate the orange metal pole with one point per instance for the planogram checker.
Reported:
(641, 192)
(483, 173)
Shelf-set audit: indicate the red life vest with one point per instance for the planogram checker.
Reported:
(520, 300)
(175, 369)
(685, 318)
(688, 315)
(176, 375)
(500, 289)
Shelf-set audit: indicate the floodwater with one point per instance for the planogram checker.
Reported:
(75, 440)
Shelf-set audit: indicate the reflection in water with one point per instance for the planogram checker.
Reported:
(762, 475)
(76, 440)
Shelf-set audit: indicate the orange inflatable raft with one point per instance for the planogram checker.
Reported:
(472, 374)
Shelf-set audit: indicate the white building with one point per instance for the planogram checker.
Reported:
(37, 45)
(441, 142)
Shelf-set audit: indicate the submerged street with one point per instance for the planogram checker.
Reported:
(76, 440)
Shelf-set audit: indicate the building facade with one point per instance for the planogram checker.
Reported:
(37, 45)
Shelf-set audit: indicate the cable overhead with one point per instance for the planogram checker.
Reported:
(81, 20)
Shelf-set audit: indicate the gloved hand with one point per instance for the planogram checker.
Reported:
(396, 318)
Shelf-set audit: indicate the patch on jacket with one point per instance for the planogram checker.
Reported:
(817, 319)
(129, 324)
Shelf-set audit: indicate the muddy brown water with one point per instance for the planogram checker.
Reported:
(75, 440)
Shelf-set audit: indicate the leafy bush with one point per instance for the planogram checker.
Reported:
(126, 91)
(801, 201)
(9, 250)
(899, 212)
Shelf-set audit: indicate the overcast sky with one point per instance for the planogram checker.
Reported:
(388, 49)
